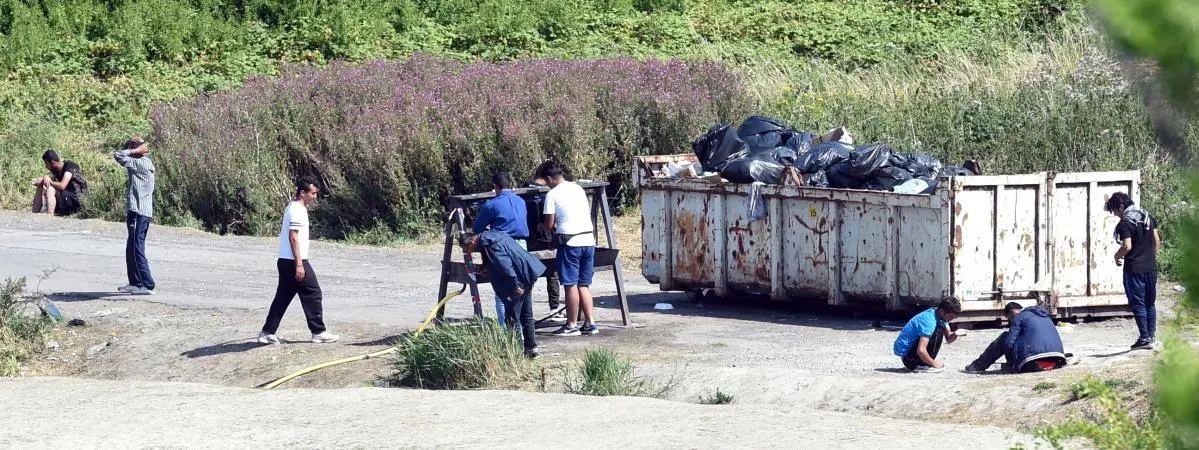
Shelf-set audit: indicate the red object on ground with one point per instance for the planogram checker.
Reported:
(1047, 364)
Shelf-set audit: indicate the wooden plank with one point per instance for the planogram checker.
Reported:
(616, 270)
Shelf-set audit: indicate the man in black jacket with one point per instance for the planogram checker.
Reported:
(513, 272)
(1031, 343)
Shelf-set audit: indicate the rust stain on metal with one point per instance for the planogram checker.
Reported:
(693, 262)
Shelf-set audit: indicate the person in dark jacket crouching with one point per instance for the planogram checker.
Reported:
(1031, 343)
(512, 271)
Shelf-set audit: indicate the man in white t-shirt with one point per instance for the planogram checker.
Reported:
(295, 274)
(568, 215)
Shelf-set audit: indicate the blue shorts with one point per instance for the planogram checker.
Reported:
(576, 265)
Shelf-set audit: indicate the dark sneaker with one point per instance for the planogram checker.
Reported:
(567, 330)
(590, 329)
(973, 370)
(531, 353)
(1142, 344)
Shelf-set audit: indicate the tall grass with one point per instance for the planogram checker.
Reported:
(478, 354)
(389, 141)
(603, 372)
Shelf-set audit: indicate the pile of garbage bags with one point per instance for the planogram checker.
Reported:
(762, 148)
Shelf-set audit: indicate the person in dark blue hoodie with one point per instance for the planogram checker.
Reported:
(512, 271)
(1031, 343)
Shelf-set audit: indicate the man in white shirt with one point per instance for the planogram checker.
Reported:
(295, 274)
(568, 215)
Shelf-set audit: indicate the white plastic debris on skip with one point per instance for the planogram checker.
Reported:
(684, 169)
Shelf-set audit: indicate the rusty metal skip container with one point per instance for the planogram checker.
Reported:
(1039, 238)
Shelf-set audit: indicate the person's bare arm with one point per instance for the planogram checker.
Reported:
(294, 237)
(548, 223)
(1157, 241)
(1125, 247)
(62, 184)
(922, 352)
(950, 335)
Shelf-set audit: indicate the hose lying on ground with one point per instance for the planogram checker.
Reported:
(393, 349)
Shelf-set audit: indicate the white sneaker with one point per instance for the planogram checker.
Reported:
(324, 338)
(127, 288)
(138, 290)
(264, 338)
(928, 369)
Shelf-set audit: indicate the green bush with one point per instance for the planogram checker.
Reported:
(388, 142)
(22, 332)
(478, 354)
(603, 372)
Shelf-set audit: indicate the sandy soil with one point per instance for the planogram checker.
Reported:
(833, 372)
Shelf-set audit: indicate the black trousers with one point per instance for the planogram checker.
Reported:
(912, 359)
(553, 289)
(997, 349)
(520, 311)
(310, 297)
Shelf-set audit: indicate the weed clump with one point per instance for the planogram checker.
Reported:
(604, 372)
(719, 398)
(478, 354)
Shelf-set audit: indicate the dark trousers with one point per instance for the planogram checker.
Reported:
(310, 297)
(520, 311)
(553, 288)
(136, 265)
(997, 349)
(1141, 289)
(912, 359)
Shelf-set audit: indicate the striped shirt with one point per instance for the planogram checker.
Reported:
(141, 182)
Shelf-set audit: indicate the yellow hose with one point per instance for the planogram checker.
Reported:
(377, 354)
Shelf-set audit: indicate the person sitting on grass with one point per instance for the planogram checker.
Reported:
(513, 272)
(60, 193)
(1031, 343)
(920, 340)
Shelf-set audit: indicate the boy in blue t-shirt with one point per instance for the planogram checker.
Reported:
(920, 340)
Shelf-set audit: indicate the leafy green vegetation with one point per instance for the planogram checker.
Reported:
(1021, 85)
(22, 331)
(603, 372)
(478, 354)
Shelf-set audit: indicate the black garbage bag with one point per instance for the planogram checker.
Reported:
(719, 146)
(781, 155)
(749, 170)
(800, 141)
(763, 133)
(759, 125)
(921, 165)
(957, 171)
(705, 147)
(867, 159)
(822, 156)
(839, 176)
(816, 179)
(886, 178)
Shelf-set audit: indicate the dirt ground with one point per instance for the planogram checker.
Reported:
(779, 364)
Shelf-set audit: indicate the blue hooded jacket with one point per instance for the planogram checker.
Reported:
(510, 266)
(1032, 333)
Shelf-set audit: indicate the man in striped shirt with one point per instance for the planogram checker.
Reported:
(140, 211)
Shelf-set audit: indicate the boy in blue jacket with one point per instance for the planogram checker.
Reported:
(513, 272)
(1030, 341)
